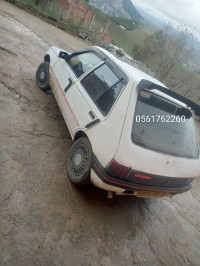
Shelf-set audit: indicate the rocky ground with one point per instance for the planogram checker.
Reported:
(44, 219)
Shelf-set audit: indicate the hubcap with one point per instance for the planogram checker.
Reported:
(79, 160)
(43, 75)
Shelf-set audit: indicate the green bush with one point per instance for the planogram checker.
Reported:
(30, 3)
(74, 26)
(53, 10)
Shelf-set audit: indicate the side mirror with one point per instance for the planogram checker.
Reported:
(63, 55)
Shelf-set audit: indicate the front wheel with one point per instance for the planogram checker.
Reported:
(79, 162)
(42, 76)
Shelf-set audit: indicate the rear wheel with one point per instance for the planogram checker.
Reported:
(42, 76)
(79, 162)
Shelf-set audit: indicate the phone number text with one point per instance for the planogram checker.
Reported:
(159, 118)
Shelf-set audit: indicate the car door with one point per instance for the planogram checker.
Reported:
(101, 87)
(76, 110)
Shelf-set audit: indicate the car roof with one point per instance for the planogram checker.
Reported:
(131, 71)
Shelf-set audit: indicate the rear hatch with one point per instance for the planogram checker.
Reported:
(158, 146)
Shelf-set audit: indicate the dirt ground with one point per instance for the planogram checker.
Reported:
(44, 219)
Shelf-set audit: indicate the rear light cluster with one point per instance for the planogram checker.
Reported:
(117, 170)
(114, 169)
(120, 171)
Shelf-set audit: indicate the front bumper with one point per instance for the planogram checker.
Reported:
(130, 187)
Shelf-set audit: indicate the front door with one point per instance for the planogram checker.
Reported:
(76, 110)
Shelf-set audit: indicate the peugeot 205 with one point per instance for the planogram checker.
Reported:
(131, 134)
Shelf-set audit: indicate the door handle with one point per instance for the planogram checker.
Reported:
(92, 123)
(69, 84)
(91, 114)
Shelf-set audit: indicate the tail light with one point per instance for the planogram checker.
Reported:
(117, 170)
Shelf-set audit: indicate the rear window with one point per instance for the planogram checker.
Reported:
(164, 126)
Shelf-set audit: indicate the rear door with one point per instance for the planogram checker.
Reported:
(101, 88)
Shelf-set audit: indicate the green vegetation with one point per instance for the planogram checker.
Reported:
(52, 10)
(139, 38)
(163, 53)
(128, 24)
(130, 9)
(127, 40)
(148, 26)
(30, 3)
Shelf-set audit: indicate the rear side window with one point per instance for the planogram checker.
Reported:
(103, 86)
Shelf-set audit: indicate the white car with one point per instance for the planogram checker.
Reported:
(131, 134)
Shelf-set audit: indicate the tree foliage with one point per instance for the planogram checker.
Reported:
(138, 53)
(165, 53)
(165, 49)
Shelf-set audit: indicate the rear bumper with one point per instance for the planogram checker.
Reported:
(130, 187)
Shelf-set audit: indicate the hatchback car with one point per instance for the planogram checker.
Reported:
(132, 135)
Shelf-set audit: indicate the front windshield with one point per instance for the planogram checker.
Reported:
(164, 126)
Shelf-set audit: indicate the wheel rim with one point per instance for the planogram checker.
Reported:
(43, 75)
(79, 160)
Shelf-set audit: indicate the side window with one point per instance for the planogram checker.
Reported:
(103, 86)
(83, 62)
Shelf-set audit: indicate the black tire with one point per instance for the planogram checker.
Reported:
(42, 76)
(79, 162)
